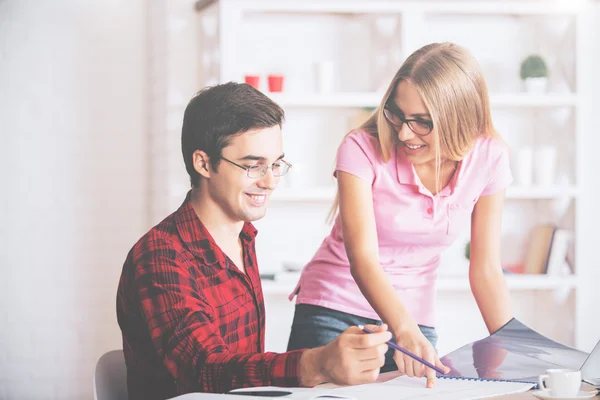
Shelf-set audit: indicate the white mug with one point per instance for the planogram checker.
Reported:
(545, 165)
(524, 167)
(561, 382)
(325, 77)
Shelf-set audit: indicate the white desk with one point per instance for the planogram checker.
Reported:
(382, 378)
(516, 396)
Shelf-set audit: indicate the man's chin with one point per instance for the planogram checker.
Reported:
(255, 215)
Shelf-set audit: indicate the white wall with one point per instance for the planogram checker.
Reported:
(588, 329)
(73, 185)
(173, 62)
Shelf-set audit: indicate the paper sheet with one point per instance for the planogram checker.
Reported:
(403, 387)
(448, 389)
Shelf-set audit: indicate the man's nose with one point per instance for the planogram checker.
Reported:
(268, 180)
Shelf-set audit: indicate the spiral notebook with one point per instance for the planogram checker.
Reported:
(514, 353)
(405, 388)
(398, 388)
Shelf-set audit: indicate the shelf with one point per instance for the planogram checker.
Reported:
(339, 100)
(533, 100)
(372, 100)
(515, 282)
(316, 195)
(533, 193)
(379, 6)
(313, 195)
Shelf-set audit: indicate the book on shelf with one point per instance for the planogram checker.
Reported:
(547, 250)
(557, 264)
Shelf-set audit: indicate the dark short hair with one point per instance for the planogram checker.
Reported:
(218, 113)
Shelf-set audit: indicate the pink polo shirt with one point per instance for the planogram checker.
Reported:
(412, 232)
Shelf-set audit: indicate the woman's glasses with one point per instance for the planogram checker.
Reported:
(420, 127)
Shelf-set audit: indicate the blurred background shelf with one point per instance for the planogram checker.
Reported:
(515, 283)
(235, 40)
(383, 6)
(372, 100)
(517, 193)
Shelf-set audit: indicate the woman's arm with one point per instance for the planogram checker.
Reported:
(360, 240)
(485, 271)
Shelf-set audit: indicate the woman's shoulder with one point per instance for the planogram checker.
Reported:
(361, 135)
(363, 139)
(489, 147)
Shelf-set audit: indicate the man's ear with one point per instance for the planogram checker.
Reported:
(201, 163)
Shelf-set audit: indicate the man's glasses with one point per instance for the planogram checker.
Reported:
(420, 127)
(279, 168)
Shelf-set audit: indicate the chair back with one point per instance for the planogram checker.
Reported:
(110, 377)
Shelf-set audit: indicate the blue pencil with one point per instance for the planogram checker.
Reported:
(408, 353)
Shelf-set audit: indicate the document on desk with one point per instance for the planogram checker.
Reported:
(407, 388)
(402, 388)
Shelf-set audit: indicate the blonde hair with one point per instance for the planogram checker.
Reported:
(451, 84)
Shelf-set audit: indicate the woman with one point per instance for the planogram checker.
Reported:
(410, 179)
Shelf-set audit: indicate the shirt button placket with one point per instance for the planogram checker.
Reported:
(430, 210)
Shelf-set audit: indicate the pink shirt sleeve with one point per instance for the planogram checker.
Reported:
(500, 175)
(356, 154)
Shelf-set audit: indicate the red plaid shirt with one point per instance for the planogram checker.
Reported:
(191, 321)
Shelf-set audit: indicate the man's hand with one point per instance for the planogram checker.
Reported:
(354, 357)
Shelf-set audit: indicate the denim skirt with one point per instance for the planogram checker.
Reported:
(315, 326)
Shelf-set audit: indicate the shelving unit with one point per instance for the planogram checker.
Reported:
(382, 6)
(372, 100)
(253, 36)
(450, 284)
(513, 192)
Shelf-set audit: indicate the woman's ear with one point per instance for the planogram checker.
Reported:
(201, 163)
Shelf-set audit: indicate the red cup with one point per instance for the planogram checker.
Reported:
(275, 83)
(253, 80)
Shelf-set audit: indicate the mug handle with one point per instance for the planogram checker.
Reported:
(542, 382)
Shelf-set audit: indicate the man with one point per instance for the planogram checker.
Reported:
(190, 303)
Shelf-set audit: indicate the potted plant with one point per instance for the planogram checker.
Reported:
(534, 72)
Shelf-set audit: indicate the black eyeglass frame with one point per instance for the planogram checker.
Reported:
(429, 124)
(261, 168)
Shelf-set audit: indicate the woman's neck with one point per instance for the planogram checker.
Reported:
(427, 173)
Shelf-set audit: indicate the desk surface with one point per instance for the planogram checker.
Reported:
(530, 396)
(383, 377)
(516, 396)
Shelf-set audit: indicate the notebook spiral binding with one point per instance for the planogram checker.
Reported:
(460, 378)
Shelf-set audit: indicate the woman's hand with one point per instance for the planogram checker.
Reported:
(412, 339)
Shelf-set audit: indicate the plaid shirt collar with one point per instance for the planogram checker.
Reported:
(193, 233)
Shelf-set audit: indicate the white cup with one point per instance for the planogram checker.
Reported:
(524, 167)
(325, 72)
(545, 166)
(561, 382)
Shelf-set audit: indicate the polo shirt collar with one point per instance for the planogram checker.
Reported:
(408, 176)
